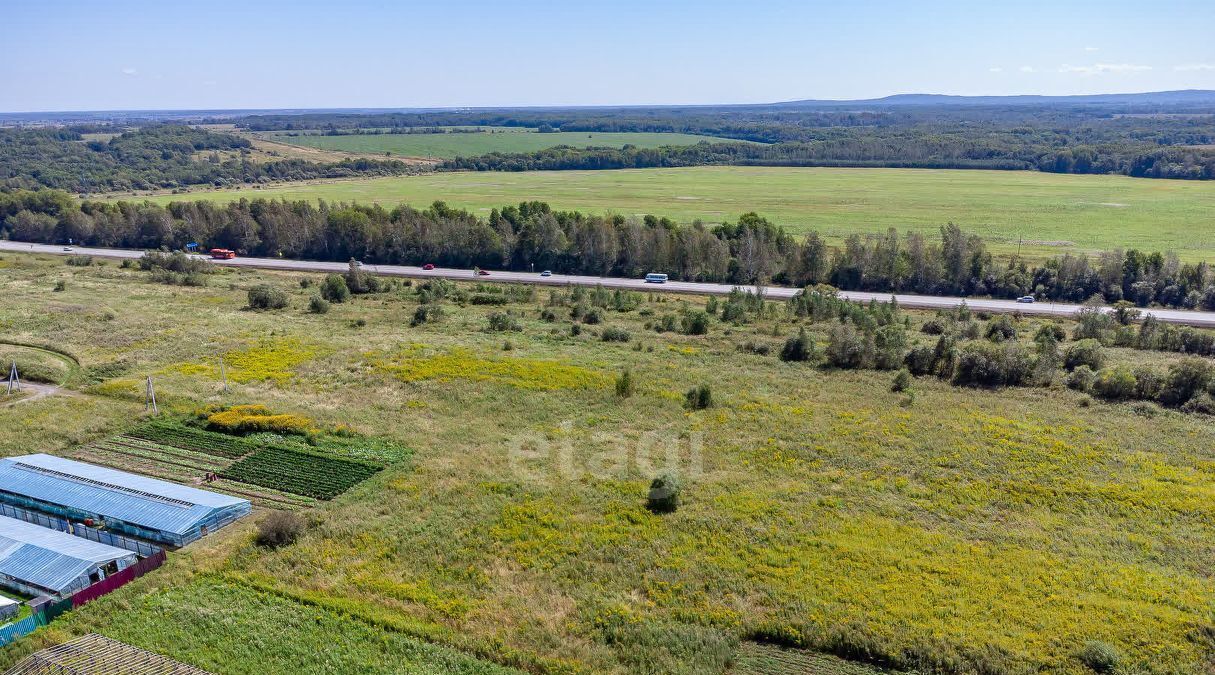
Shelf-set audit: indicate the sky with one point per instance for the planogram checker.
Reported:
(128, 55)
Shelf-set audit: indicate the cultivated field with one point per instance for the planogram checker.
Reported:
(1051, 213)
(449, 145)
(969, 528)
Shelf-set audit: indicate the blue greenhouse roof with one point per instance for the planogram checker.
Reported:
(143, 501)
(40, 556)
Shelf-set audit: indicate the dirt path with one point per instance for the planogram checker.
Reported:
(36, 390)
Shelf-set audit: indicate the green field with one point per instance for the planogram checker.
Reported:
(998, 530)
(449, 145)
(1051, 213)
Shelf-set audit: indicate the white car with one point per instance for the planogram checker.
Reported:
(655, 278)
(1026, 299)
(546, 273)
(68, 249)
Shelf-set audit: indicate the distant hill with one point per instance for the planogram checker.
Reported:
(1180, 97)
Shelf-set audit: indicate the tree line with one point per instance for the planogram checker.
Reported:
(157, 156)
(532, 236)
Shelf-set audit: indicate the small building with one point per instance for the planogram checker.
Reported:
(37, 560)
(126, 503)
(8, 608)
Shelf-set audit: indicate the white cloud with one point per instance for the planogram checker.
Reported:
(995, 69)
(1191, 67)
(1103, 68)
(128, 71)
(1092, 49)
(1026, 69)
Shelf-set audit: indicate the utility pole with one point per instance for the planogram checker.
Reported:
(14, 382)
(150, 398)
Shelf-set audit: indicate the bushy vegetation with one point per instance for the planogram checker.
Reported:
(664, 494)
(265, 296)
(279, 528)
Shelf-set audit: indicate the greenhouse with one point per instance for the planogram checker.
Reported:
(37, 560)
(122, 502)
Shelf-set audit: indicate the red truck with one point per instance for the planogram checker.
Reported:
(222, 254)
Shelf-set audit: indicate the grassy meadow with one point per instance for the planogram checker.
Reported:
(466, 144)
(995, 531)
(1047, 213)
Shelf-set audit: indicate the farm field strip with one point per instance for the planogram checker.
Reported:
(298, 472)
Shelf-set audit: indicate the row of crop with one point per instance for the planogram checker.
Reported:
(188, 438)
(304, 473)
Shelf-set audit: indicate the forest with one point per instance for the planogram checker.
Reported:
(156, 156)
(533, 236)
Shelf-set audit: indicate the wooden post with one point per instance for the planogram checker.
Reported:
(150, 400)
(223, 374)
(14, 380)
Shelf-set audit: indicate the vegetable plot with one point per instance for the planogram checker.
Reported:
(303, 473)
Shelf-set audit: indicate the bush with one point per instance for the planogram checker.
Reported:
(664, 494)
(920, 360)
(488, 299)
(758, 348)
(1116, 384)
(503, 322)
(933, 327)
(426, 314)
(251, 419)
(279, 528)
(1001, 329)
(1086, 352)
(625, 384)
(1050, 331)
(80, 260)
(902, 381)
(318, 305)
(1099, 656)
(986, 364)
(60, 286)
(1148, 383)
(1082, 379)
(334, 288)
(1186, 378)
(614, 334)
(889, 343)
(696, 323)
(592, 316)
(798, 347)
(845, 347)
(699, 398)
(265, 296)
(1200, 403)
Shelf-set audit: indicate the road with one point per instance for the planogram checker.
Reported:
(1177, 316)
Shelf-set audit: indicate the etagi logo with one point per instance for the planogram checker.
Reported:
(567, 455)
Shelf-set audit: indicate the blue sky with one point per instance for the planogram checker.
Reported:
(89, 55)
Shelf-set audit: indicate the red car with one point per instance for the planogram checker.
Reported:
(428, 266)
(482, 273)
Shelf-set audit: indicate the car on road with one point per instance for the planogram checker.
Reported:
(482, 273)
(428, 266)
(1026, 299)
(68, 249)
(546, 273)
(655, 278)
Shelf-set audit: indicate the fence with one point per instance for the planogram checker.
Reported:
(49, 612)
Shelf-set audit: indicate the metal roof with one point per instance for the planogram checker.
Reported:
(48, 558)
(143, 501)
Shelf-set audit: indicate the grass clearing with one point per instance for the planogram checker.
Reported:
(471, 144)
(1041, 214)
(967, 527)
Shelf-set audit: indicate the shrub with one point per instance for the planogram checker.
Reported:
(80, 260)
(1186, 378)
(920, 360)
(575, 330)
(614, 334)
(986, 364)
(889, 343)
(1148, 383)
(902, 381)
(845, 347)
(249, 419)
(488, 299)
(1116, 384)
(334, 288)
(306, 282)
(753, 347)
(1082, 379)
(1001, 329)
(1099, 656)
(625, 384)
(426, 314)
(504, 321)
(265, 296)
(664, 494)
(797, 348)
(279, 528)
(699, 398)
(1200, 403)
(592, 316)
(60, 285)
(933, 327)
(665, 324)
(970, 330)
(1050, 331)
(360, 282)
(696, 323)
(318, 305)
(1086, 352)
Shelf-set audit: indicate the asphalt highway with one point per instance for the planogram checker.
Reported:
(1177, 316)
